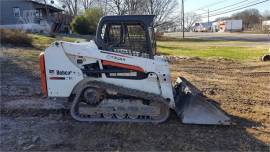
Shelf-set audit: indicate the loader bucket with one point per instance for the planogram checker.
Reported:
(193, 108)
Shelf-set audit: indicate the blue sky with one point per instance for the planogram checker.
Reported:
(191, 5)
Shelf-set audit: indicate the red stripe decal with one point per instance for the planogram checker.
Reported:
(126, 66)
(57, 78)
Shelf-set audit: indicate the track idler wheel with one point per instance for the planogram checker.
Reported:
(92, 96)
(120, 115)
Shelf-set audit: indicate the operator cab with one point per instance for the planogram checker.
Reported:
(129, 34)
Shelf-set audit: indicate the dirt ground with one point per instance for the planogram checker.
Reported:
(241, 88)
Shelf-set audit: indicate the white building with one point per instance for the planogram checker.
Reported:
(230, 26)
(266, 26)
(202, 27)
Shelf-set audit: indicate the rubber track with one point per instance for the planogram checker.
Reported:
(123, 91)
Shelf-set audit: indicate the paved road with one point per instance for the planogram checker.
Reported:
(225, 36)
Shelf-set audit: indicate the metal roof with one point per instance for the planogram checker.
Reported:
(48, 5)
(146, 19)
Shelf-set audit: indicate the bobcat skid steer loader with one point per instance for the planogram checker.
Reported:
(118, 77)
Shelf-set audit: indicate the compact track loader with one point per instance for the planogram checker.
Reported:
(118, 77)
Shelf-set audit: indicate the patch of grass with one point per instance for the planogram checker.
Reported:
(42, 41)
(37, 41)
(26, 59)
(69, 39)
(31, 55)
(15, 38)
(23, 54)
(210, 50)
(196, 41)
(173, 39)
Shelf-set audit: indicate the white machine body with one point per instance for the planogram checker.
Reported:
(64, 72)
(119, 78)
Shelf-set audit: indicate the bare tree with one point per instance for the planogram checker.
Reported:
(103, 4)
(116, 7)
(163, 9)
(87, 3)
(134, 7)
(250, 17)
(223, 18)
(72, 6)
(126, 7)
(266, 15)
(190, 19)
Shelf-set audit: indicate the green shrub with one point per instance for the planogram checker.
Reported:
(87, 23)
(15, 37)
(80, 25)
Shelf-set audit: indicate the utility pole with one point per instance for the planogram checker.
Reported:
(183, 19)
(208, 20)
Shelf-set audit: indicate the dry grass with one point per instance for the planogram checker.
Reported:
(15, 38)
(37, 41)
(42, 41)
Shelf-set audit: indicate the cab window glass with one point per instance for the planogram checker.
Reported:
(125, 39)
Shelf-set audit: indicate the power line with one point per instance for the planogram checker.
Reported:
(208, 12)
(232, 5)
(209, 5)
(237, 9)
